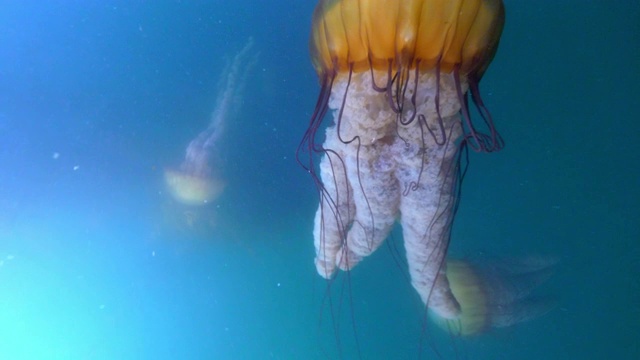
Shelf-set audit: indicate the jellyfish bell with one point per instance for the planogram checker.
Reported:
(360, 35)
(396, 77)
(192, 189)
(496, 293)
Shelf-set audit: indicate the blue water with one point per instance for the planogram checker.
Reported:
(97, 262)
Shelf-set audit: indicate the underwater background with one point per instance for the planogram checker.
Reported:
(97, 98)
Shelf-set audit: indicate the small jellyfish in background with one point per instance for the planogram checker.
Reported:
(397, 76)
(198, 180)
(496, 293)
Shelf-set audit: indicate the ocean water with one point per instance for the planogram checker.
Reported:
(97, 261)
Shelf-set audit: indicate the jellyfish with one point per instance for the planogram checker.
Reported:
(496, 293)
(198, 179)
(396, 77)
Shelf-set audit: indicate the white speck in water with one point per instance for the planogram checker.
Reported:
(76, 167)
(55, 155)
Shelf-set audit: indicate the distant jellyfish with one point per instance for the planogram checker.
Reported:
(198, 180)
(395, 76)
(192, 188)
(496, 294)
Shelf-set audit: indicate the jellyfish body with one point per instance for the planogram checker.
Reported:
(395, 75)
(198, 180)
(192, 189)
(496, 294)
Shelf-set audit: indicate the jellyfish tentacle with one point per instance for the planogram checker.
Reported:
(335, 211)
(389, 77)
(496, 142)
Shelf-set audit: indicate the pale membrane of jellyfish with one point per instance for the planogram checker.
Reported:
(192, 189)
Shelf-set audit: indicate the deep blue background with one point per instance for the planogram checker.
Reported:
(96, 261)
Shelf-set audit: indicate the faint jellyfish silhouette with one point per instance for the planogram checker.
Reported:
(199, 179)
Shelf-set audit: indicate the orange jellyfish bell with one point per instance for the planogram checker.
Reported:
(359, 35)
(395, 76)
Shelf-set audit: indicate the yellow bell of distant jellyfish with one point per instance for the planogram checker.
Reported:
(192, 189)
(395, 77)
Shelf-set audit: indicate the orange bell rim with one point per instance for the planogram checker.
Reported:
(359, 35)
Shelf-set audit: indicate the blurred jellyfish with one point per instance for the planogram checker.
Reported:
(496, 293)
(198, 179)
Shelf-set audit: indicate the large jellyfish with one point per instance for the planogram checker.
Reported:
(198, 180)
(396, 76)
